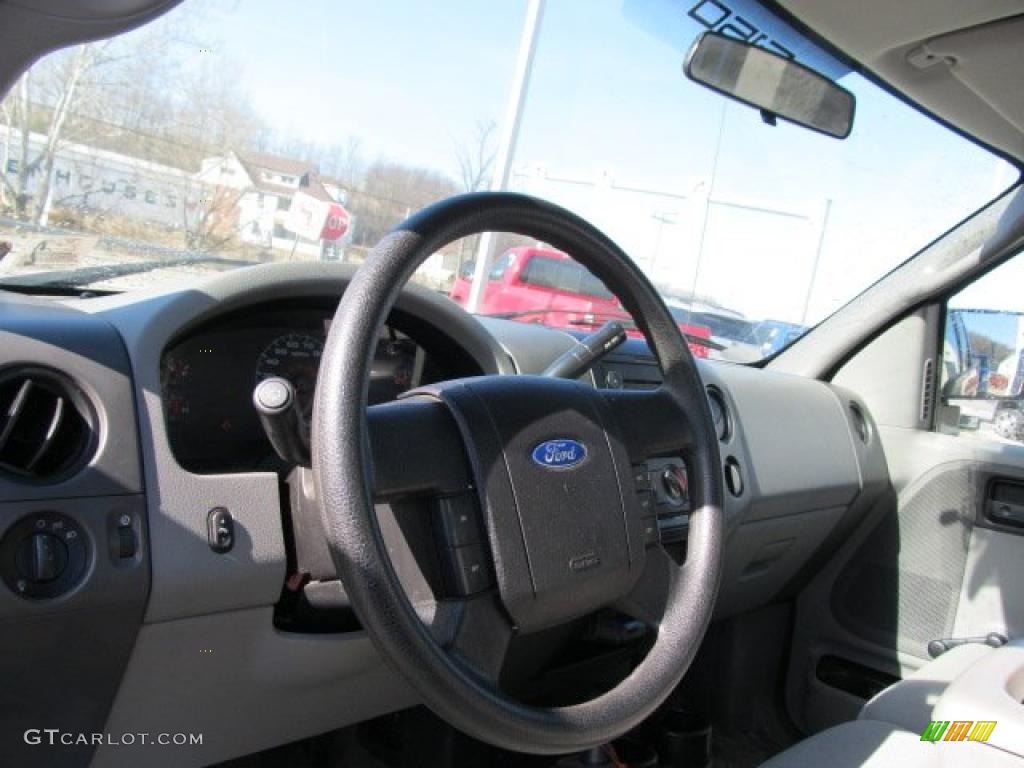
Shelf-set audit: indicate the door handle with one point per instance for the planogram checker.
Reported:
(1005, 512)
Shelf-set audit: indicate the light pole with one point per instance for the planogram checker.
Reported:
(507, 144)
(817, 261)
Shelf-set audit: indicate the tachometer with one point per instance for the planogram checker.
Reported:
(295, 357)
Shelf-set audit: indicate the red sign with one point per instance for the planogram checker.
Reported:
(337, 224)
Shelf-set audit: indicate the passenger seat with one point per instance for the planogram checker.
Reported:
(908, 704)
(974, 682)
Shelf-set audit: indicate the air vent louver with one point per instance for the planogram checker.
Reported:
(860, 423)
(928, 391)
(45, 424)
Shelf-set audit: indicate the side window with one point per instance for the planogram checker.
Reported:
(499, 267)
(564, 275)
(982, 364)
(545, 273)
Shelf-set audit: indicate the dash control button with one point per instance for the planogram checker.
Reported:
(733, 477)
(43, 555)
(220, 530)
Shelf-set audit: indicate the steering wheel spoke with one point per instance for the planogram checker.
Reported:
(402, 464)
(654, 589)
(476, 631)
(652, 422)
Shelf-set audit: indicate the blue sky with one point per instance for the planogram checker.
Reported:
(608, 100)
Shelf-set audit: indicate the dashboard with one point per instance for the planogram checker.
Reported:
(165, 379)
(207, 379)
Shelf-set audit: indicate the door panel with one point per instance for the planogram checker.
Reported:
(927, 564)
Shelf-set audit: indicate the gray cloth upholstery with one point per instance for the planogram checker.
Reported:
(909, 703)
(859, 744)
(870, 744)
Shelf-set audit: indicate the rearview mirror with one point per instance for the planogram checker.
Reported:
(778, 86)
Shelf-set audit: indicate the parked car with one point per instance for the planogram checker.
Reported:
(773, 335)
(545, 286)
(732, 333)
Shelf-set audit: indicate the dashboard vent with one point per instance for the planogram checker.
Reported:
(45, 424)
(860, 423)
(928, 391)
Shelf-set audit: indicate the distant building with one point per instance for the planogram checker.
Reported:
(250, 192)
(93, 179)
(264, 186)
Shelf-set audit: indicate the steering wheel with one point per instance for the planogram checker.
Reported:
(544, 466)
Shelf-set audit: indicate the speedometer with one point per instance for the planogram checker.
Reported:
(295, 357)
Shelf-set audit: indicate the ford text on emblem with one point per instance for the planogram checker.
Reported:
(559, 454)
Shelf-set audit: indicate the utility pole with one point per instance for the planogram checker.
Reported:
(507, 143)
(817, 260)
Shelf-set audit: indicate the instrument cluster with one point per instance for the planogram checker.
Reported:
(207, 380)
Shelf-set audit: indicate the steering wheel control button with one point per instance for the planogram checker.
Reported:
(733, 477)
(220, 530)
(456, 521)
(465, 569)
(641, 478)
(652, 535)
(648, 503)
(43, 556)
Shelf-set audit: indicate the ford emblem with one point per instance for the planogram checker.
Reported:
(559, 454)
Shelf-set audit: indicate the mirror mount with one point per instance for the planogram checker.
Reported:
(779, 87)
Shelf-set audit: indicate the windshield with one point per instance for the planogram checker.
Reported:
(228, 134)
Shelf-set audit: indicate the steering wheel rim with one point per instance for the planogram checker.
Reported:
(343, 471)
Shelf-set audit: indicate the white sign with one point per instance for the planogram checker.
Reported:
(307, 216)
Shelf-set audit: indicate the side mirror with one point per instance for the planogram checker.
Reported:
(983, 354)
(778, 86)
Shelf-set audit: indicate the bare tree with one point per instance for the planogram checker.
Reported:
(68, 90)
(345, 161)
(211, 221)
(475, 157)
(390, 192)
(475, 160)
(46, 98)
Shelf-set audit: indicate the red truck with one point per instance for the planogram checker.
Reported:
(540, 285)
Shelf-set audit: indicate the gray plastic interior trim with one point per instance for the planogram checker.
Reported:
(36, 332)
(244, 686)
(61, 658)
(189, 579)
(800, 455)
(887, 373)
